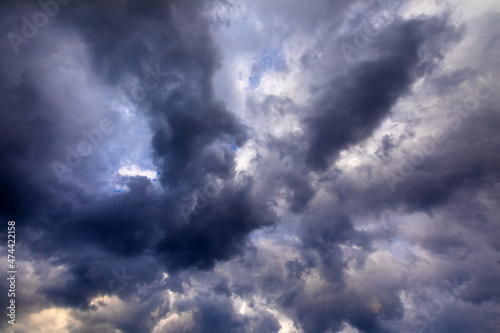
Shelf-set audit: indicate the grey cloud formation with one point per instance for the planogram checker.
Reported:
(315, 194)
(354, 105)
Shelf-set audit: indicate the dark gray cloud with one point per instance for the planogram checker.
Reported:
(190, 128)
(329, 195)
(352, 106)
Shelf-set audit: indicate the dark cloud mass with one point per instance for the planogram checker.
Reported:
(354, 104)
(260, 166)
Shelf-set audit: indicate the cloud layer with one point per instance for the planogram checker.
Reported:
(269, 166)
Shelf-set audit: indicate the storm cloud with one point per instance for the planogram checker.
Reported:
(263, 166)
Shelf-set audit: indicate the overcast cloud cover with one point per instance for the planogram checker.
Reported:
(251, 166)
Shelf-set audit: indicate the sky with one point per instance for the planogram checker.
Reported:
(275, 166)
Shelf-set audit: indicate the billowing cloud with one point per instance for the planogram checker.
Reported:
(269, 166)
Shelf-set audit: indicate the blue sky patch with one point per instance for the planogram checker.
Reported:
(271, 59)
